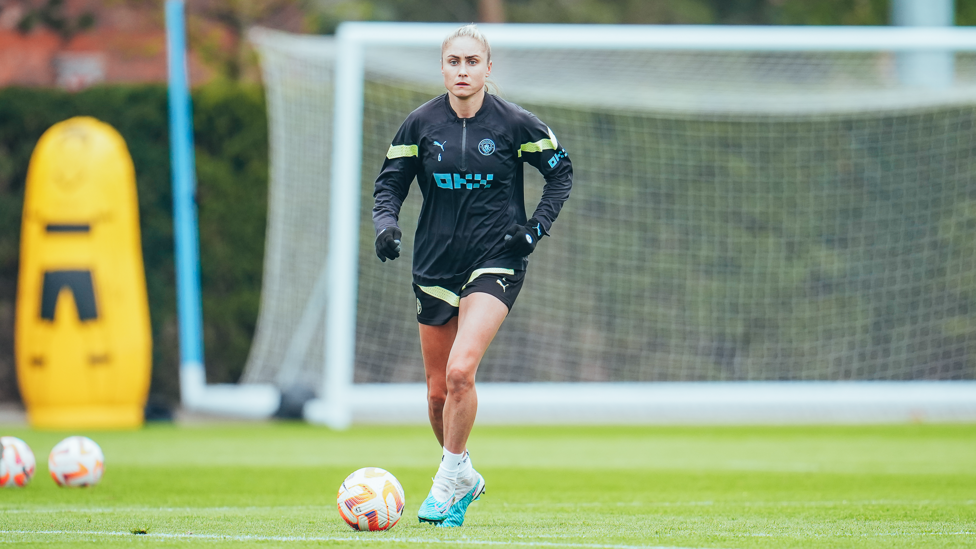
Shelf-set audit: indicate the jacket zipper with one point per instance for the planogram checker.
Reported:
(464, 140)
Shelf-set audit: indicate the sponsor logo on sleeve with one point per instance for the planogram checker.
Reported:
(557, 157)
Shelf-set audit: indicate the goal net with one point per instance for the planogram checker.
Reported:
(738, 215)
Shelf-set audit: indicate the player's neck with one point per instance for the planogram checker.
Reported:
(467, 107)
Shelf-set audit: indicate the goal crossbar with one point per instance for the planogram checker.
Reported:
(673, 37)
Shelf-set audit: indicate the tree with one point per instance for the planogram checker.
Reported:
(491, 11)
(51, 15)
(218, 30)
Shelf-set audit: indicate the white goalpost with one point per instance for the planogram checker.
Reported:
(772, 224)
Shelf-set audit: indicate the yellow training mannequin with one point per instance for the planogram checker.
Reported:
(83, 340)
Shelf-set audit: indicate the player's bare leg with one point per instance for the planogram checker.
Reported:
(480, 317)
(456, 483)
(435, 344)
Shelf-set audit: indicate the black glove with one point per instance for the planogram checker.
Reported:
(522, 239)
(388, 244)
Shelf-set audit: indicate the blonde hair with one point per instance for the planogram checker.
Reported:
(470, 31)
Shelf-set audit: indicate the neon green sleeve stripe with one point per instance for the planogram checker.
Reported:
(399, 151)
(538, 146)
(443, 294)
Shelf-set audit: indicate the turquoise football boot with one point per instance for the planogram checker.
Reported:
(434, 511)
(455, 515)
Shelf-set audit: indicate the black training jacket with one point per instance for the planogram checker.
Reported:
(470, 174)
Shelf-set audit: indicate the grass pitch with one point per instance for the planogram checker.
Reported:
(274, 485)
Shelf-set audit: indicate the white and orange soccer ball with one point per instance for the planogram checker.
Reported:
(371, 499)
(76, 461)
(17, 463)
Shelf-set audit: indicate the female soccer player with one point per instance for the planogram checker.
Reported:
(466, 149)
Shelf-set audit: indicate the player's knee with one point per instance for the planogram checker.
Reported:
(459, 380)
(435, 401)
(436, 385)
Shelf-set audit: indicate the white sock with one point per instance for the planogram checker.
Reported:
(466, 469)
(446, 476)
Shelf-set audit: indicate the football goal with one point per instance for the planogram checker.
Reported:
(766, 225)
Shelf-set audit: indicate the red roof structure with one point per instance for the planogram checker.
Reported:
(127, 43)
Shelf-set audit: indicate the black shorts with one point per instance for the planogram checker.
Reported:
(437, 304)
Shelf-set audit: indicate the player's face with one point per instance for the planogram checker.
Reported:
(465, 67)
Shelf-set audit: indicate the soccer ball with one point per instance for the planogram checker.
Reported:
(76, 461)
(371, 499)
(17, 463)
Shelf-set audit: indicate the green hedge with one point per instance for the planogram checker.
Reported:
(232, 169)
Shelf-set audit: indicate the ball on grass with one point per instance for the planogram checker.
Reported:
(371, 499)
(17, 463)
(76, 461)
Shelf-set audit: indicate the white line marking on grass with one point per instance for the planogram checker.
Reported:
(365, 538)
(864, 535)
(466, 541)
(224, 509)
(727, 503)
